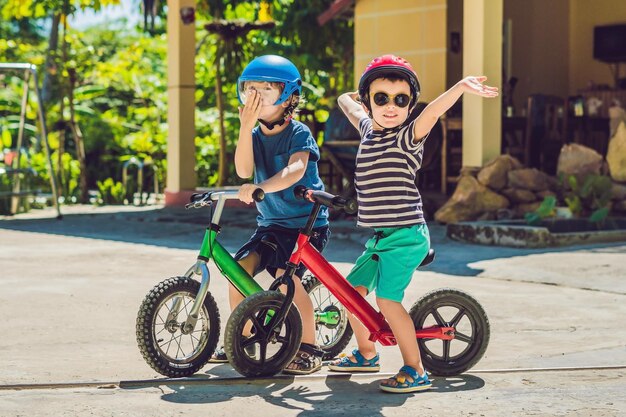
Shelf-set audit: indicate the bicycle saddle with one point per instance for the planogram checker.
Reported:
(429, 258)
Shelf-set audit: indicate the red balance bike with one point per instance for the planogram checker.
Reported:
(452, 328)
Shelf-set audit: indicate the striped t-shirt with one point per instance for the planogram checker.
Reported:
(386, 165)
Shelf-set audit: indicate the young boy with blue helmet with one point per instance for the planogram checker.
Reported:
(391, 150)
(280, 153)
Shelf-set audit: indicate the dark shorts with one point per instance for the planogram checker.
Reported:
(274, 245)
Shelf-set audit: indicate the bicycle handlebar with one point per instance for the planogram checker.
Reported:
(198, 200)
(322, 197)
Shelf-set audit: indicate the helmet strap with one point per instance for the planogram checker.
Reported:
(287, 116)
(272, 125)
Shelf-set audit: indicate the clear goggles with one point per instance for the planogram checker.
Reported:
(269, 93)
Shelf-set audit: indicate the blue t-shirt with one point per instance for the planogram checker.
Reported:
(271, 155)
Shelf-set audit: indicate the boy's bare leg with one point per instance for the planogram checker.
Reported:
(305, 306)
(404, 332)
(249, 263)
(367, 348)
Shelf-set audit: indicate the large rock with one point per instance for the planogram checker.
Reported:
(616, 156)
(471, 171)
(579, 160)
(470, 200)
(530, 179)
(526, 208)
(543, 194)
(494, 173)
(620, 206)
(519, 195)
(455, 211)
(618, 191)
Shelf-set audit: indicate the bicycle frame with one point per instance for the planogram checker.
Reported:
(212, 249)
(373, 320)
(230, 268)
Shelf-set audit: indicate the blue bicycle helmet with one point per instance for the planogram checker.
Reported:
(272, 68)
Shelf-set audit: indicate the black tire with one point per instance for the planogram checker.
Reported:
(274, 349)
(332, 339)
(451, 308)
(183, 354)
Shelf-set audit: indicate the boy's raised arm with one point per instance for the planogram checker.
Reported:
(353, 110)
(432, 112)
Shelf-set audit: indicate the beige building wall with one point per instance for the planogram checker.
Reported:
(454, 60)
(584, 15)
(538, 42)
(552, 47)
(413, 29)
(540, 47)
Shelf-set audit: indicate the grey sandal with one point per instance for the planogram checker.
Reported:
(307, 360)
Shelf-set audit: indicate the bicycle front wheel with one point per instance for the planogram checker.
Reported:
(269, 347)
(166, 346)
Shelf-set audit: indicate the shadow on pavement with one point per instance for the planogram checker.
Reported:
(342, 394)
(184, 229)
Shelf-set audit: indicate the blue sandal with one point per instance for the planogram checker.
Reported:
(403, 385)
(361, 364)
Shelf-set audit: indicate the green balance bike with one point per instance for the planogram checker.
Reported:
(178, 324)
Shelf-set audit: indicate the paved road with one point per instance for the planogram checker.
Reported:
(70, 290)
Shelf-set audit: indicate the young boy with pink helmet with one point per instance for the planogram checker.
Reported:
(390, 153)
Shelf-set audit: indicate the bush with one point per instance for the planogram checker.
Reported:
(110, 192)
(592, 198)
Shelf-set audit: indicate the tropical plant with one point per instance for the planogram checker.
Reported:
(110, 192)
(106, 87)
(546, 209)
(592, 198)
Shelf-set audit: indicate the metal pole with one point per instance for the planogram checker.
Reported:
(15, 199)
(44, 133)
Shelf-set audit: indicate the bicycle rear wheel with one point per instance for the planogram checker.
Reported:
(332, 328)
(451, 308)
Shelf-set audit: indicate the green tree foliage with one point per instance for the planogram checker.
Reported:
(120, 95)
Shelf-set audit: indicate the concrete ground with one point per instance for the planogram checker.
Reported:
(70, 291)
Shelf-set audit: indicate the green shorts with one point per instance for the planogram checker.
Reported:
(389, 260)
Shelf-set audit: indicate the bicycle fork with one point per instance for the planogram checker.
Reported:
(238, 277)
(200, 268)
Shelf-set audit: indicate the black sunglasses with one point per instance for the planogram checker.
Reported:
(401, 100)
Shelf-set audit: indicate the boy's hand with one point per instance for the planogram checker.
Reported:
(249, 114)
(474, 85)
(245, 192)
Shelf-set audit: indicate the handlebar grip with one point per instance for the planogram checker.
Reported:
(327, 199)
(196, 197)
(299, 192)
(258, 195)
(351, 206)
